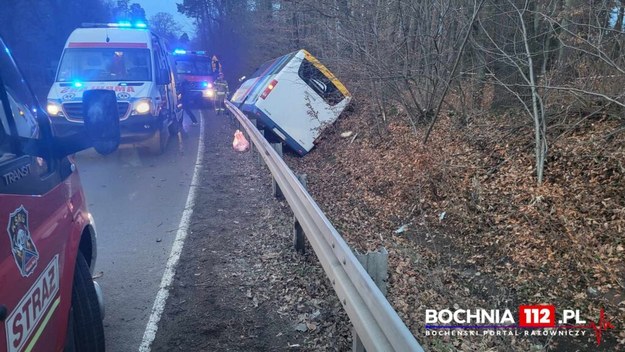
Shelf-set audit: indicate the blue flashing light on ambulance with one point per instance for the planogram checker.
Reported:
(128, 59)
(294, 97)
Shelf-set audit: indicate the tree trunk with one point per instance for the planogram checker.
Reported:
(537, 108)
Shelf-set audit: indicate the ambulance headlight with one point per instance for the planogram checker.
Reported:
(53, 108)
(142, 107)
(208, 93)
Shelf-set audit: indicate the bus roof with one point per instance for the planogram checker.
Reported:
(321, 67)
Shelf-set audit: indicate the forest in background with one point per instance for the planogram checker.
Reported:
(553, 59)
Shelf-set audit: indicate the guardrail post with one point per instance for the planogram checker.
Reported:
(260, 158)
(231, 117)
(277, 192)
(252, 146)
(298, 232)
(376, 265)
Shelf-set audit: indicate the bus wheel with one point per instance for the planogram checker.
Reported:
(85, 331)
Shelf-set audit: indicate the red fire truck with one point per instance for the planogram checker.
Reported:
(195, 77)
(48, 300)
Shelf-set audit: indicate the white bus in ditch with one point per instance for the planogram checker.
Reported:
(295, 97)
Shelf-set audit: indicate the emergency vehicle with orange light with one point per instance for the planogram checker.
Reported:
(195, 73)
(294, 97)
(128, 59)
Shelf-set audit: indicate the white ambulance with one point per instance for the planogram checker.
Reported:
(128, 59)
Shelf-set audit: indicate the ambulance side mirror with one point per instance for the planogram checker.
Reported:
(101, 119)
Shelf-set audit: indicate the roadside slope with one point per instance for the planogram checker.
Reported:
(466, 226)
(239, 285)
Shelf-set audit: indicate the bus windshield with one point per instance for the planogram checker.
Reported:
(105, 64)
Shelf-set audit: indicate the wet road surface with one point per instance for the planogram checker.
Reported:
(137, 200)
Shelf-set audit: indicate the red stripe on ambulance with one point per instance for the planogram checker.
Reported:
(108, 45)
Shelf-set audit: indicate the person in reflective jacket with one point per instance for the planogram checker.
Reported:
(221, 92)
(215, 66)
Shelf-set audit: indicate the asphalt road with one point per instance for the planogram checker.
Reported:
(137, 200)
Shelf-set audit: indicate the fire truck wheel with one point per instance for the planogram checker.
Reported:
(85, 331)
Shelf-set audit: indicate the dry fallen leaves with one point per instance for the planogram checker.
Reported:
(561, 242)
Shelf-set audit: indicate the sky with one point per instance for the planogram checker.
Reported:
(154, 6)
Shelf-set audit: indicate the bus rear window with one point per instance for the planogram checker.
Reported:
(321, 84)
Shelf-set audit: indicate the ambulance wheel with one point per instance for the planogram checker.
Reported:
(85, 331)
(156, 144)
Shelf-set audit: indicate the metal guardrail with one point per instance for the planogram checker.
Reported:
(376, 322)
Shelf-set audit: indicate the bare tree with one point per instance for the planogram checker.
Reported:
(404, 56)
(517, 55)
(166, 26)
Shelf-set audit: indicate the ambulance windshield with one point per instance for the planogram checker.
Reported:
(105, 64)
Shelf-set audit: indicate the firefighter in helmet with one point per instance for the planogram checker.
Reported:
(221, 93)
(215, 66)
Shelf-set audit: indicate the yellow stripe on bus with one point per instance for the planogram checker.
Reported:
(326, 72)
(32, 343)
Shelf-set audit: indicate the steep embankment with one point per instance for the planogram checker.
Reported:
(478, 231)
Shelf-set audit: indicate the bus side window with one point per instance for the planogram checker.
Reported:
(321, 84)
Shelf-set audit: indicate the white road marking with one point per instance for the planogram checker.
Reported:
(170, 269)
